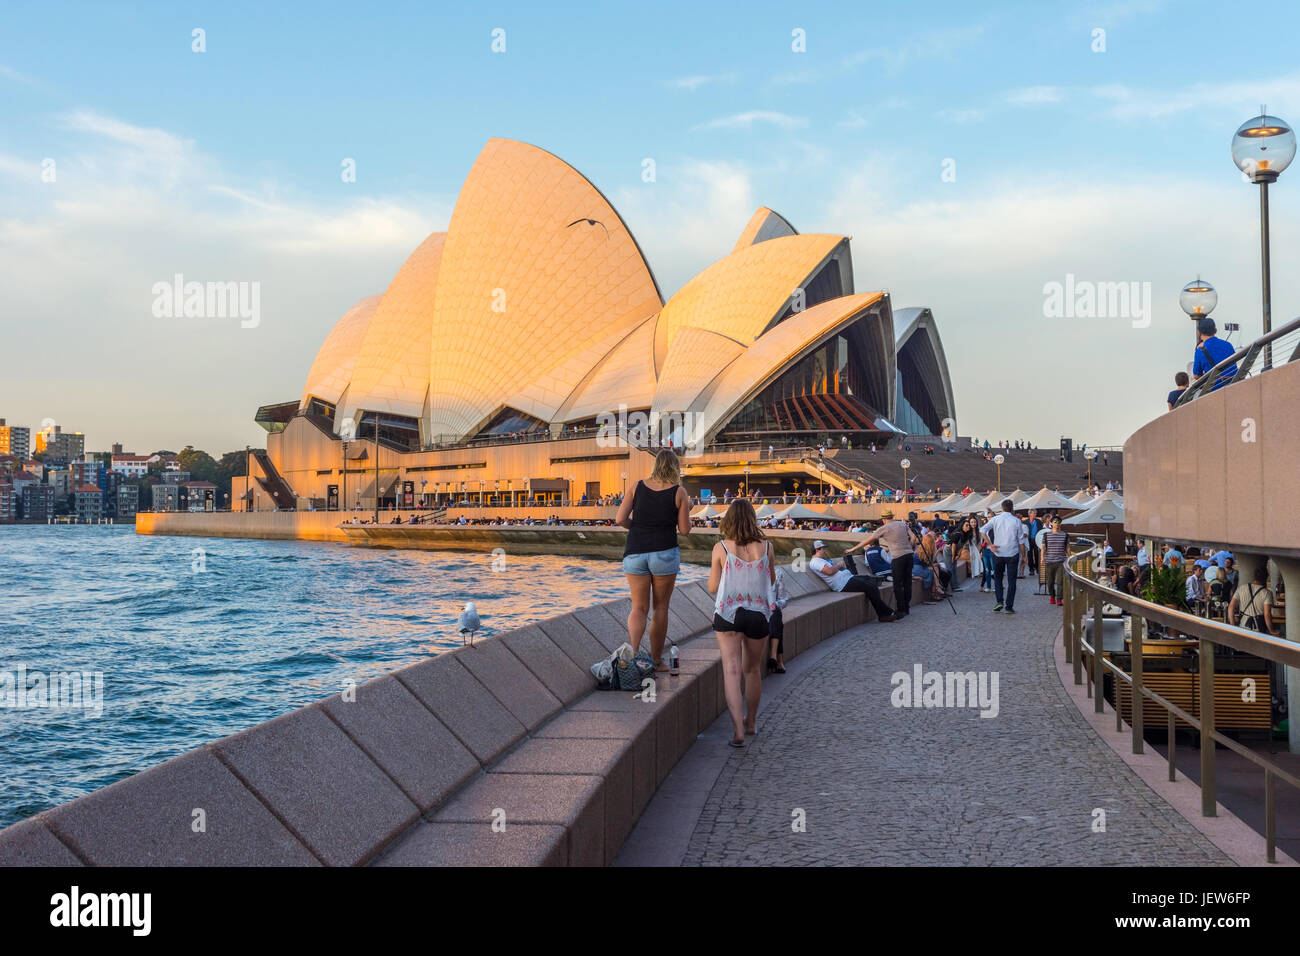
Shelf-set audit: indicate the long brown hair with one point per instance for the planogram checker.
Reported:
(667, 468)
(740, 523)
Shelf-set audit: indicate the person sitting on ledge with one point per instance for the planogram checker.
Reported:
(843, 576)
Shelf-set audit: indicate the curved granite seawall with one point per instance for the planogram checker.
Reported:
(500, 753)
(601, 541)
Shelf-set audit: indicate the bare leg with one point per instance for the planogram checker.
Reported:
(662, 585)
(752, 663)
(729, 643)
(639, 585)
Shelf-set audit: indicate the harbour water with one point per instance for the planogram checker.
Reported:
(198, 638)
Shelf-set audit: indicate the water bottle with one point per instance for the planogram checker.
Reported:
(672, 662)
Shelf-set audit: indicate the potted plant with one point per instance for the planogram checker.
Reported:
(1167, 586)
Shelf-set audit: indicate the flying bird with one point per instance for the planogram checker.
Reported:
(590, 222)
(468, 623)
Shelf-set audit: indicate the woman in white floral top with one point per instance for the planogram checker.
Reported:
(741, 577)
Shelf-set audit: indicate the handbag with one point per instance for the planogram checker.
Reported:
(631, 673)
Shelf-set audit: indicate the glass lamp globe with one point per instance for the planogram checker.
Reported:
(906, 463)
(1198, 298)
(1263, 147)
(998, 459)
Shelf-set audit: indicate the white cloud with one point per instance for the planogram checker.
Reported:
(690, 217)
(923, 48)
(962, 116)
(1243, 96)
(854, 120)
(10, 73)
(750, 118)
(1034, 95)
(980, 253)
(693, 83)
(133, 205)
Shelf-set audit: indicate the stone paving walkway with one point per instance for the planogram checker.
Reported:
(886, 785)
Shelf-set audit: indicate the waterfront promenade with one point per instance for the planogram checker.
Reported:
(882, 785)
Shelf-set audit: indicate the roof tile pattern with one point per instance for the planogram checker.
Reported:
(740, 295)
(332, 369)
(536, 264)
(392, 370)
(694, 360)
(763, 225)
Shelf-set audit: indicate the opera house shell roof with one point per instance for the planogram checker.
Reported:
(536, 310)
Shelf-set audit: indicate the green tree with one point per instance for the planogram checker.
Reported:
(198, 463)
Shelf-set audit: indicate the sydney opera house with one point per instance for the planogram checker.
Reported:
(527, 354)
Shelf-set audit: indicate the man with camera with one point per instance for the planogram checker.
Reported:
(898, 539)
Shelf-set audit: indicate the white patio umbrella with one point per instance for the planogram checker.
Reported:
(1045, 500)
(1081, 497)
(1018, 496)
(947, 504)
(800, 512)
(991, 502)
(706, 512)
(764, 510)
(1103, 511)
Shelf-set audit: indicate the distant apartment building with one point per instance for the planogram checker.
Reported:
(166, 497)
(21, 480)
(60, 480)
(60, 446)
(128, 502)
(130, 466)
(88, 471)
(199, 496)
(38, 503)
(35, 467)
(15, 440)
(8, 502)
(175, 477)
(89, 503)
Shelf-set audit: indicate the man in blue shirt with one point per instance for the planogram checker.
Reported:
(1210, 351)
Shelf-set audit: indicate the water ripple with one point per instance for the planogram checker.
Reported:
(189, 656)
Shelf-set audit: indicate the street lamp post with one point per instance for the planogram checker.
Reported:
(906, 463)
(1090, 454)
(998, 460)
(746, 494)
(1198, 300)
(1262, 148)
(624, 477)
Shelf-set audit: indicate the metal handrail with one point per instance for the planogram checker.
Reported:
(1077, 591)
(1244, 358)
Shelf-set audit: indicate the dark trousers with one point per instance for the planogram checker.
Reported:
(1009, 566)
(902, 567)
(865, 584)
(1033, 556)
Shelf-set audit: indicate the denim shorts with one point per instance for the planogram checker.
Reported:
(658, 563)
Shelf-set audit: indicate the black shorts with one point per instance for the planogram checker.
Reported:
(750, 623)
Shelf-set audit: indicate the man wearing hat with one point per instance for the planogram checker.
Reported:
(899, 540)
(843, 576)
(1210, 351)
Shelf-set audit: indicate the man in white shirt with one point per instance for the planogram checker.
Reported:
(1005, 534)
(843, 576)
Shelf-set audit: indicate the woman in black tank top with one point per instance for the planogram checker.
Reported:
(654, 513)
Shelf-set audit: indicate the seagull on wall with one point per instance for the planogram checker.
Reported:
(590, 222)
(468, 623)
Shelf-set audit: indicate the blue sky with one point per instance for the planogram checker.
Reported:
(224, 165)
